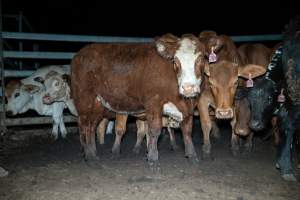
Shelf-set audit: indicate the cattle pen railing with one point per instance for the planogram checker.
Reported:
(9, 54)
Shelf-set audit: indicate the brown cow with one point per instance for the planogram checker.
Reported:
(220, 86)
(135, 78)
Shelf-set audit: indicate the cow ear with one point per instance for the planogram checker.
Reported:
(207, 34)
(166, 45)
(251, 71)
(206, 69)
(215, 42)
(31, 88)
(39, 79)
(66, 78)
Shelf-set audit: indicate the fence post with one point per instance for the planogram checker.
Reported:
(20, 29)
(2, 114)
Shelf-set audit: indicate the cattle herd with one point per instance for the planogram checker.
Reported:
(165, 84)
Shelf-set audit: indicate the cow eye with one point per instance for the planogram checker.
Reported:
(177, 65)
(56, 84)
(17, 94)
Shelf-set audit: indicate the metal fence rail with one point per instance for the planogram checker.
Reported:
(68, 55)
(106, 39)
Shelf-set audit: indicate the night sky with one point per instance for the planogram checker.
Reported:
(151, 18)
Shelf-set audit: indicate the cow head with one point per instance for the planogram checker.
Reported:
(223, 82)
(262, 101)
(19, 96)
(187, 54)
(243, 113)
(56, 87)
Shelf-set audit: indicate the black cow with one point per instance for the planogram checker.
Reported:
(289, 113)
(278, 93)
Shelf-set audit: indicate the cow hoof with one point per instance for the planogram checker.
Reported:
(207, 156)
(235, 152)
(64, 136)
(289, 177)
(93, 163)
(136, 150)
(277, 166)
(247, 152)
(3, 172)
(194, 160)
(53, 137)
(116, 152)
(174, 147)
(154, 166)
(115, 156)
(298, 166)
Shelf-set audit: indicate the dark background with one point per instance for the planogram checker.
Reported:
(151, 18)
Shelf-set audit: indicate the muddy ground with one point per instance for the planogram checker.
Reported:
(43, 169)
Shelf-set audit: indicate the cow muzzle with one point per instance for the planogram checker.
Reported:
(222, 113)
(190, 90)
(47, 99)
(242, 132)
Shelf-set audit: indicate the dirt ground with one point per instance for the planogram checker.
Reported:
(43, 169)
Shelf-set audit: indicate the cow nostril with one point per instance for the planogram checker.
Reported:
(224, 113)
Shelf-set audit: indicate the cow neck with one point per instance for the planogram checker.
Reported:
(274, 71)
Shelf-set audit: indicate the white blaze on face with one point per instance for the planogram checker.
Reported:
(187, 57)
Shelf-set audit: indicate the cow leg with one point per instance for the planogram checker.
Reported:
(275, 130)
(215, 131)
(142, 130)
(62, 128)
(235, 139)
(235, 144)
(285, 146)
(87, 126)
(57, 116)
(54, 133)
(101, 130)
(172, 139)
(298, 147)
(120, 129)
(249, 143)
(206, 126)
(186, 127)
(155, 125)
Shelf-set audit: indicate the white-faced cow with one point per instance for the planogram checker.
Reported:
(22, 98)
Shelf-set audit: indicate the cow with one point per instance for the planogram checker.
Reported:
(57, 89)
(220, 87)
(289, 112)
(21, 98)
(136, 78)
